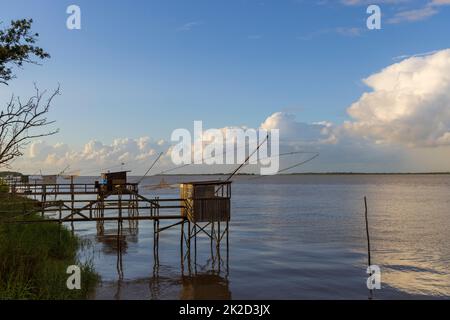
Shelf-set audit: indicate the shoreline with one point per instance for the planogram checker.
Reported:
(35, 257)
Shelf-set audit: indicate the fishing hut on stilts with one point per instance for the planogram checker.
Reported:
(206, 211)
(115, 191)
(203, 207)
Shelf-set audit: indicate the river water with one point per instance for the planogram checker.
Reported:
(293, 237)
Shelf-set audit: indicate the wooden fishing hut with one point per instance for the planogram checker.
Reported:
(206, 201)
(205, 204)
(111, 180)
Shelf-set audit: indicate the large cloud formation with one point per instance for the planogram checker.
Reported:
(94, 157)
(403, 123)
(409, 103)
(138, 154)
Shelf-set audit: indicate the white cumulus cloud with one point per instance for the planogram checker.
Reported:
(293, 131)
(93, 157)
(409, 103)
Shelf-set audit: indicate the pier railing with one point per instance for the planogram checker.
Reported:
(60, 188)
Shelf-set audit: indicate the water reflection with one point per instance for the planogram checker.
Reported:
(205, 283)
(309, 242)
(410, 244)
(199, 276)
(204, 287)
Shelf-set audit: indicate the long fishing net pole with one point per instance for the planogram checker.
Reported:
(299, 164)
(316, 154)
(153, 164)
(203, 159)
(259, 177)
(249, 156)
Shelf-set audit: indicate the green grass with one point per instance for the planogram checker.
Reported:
(34, 257)
(3, 186)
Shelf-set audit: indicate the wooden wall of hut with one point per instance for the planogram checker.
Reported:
(203, 202)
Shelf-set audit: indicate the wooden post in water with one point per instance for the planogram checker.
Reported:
(119, 236)
(182, 243)
(195, 248)
(119, 222)
(212, 238)
(218, 235)
(367, 233)
(369, 260)
(72, 200)
(228, 255)
(189, 241)
(154, 241)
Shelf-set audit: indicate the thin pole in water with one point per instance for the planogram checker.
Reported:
(369, 261)
(367, 232)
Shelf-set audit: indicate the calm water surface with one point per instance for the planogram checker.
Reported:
(295, 237)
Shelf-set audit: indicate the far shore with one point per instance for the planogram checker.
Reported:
(310, 174)
(6, 173)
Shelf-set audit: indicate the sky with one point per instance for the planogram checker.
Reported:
(368, 100)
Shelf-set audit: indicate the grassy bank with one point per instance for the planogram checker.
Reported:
(34, 257)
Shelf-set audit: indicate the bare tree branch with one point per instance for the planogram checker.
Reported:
(20, 123)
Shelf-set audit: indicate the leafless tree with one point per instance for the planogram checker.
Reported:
(20, 122)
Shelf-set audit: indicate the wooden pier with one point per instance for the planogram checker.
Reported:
(202, 208)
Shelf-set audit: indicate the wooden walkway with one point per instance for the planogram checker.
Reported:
(122, 203)
(73, 203)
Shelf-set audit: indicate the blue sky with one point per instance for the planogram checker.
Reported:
(144, 68)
